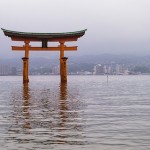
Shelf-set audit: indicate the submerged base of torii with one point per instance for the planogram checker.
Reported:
(28, 37)
(25, 70)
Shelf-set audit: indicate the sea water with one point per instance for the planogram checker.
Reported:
(87, 113)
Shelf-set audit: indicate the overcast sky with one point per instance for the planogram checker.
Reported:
(113, 26)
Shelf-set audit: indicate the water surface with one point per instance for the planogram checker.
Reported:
(86, 113)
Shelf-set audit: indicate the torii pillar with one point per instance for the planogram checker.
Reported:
(63, 63)
(26, 63)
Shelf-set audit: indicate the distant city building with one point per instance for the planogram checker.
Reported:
(19, 72)
(5, 69)
(126, 72)
(105, 69)
(121, 70)
(13, 71)
(112, 69)
(99, 69)
(117, 69)
(109, 70)
(56, 70)
(84, 73)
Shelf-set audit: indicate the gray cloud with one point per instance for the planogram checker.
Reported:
(114, 26)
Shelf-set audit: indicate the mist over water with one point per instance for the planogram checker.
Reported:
(86, 113)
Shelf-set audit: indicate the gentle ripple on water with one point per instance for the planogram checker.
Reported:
(86, 113)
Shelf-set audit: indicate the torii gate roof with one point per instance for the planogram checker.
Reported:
(42, 36)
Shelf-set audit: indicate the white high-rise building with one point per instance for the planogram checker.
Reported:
(98, 69)
(119, 69)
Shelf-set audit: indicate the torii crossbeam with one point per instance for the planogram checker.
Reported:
(28, 37)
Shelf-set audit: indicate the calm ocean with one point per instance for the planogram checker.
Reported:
(88, 113)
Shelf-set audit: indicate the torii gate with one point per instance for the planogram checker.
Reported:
(28, 37)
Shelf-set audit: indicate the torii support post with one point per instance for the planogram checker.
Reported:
(64, 69)
(26, 63)
(25, 70)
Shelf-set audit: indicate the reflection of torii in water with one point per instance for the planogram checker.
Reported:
(59, 114)
(21, 114)
(26, 103)
(63, 103)
(28, 37)
(68, 118)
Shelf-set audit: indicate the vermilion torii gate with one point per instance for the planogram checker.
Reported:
(28, 37)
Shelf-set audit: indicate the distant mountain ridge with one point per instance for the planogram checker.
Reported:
(86, 59)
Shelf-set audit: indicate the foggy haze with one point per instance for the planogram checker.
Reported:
(113, 26)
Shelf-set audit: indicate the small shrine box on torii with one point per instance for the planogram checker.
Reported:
(28, 37)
